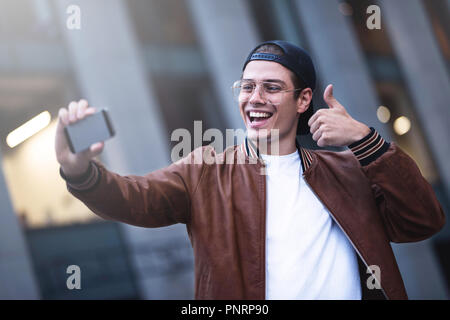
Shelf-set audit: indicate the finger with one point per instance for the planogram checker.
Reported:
(63, 116)
(317, 115)
(322, 142)
(314, 126)
(82, 106)
(313, 118)
(73, 106)
(317, 135)
(89, 111)
(321, 137)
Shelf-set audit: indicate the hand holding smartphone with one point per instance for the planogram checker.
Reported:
(80, 135)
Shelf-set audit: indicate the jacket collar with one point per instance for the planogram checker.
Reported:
(250, 150)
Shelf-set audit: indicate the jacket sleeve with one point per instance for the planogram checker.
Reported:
(157, 199)
(407, 203)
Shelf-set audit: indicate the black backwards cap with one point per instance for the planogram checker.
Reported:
(299, 62)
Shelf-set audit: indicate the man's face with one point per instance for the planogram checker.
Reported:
(283, 114)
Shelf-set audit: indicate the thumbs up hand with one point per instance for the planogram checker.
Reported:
(334, 126)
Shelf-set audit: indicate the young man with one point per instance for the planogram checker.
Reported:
(311, 227)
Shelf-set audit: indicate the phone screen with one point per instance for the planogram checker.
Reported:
(92, 129)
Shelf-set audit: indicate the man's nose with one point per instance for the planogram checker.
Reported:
(257, 97)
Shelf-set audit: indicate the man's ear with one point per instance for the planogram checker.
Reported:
(304, 100)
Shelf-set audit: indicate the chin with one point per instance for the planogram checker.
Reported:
(259, 134)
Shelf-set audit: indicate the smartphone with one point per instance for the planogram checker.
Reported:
(91, 129)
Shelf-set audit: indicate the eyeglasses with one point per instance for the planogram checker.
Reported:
(270, 92)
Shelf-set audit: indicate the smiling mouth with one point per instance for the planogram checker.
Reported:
(256, 117)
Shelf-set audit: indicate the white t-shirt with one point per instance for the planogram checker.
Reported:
(307, 254)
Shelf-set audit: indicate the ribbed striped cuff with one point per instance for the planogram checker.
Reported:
(369, 148)
(85, 182)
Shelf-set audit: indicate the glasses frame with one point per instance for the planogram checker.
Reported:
(237, 83)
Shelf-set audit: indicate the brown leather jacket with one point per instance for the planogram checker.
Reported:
(223, 205)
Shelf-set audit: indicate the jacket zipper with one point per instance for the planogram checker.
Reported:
(354, 247)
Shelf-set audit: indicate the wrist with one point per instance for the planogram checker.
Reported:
(369, 148)
(75, 173)
(361, 132)
(86, 181)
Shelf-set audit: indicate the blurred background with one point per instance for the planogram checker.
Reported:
(159, 65)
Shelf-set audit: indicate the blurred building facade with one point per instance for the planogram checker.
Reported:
(160, 65)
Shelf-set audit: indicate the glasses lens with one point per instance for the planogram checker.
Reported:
(236, 88)
(269, 92)
(273, 93)
(242, 90)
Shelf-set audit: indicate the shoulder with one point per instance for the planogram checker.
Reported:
(344, 158)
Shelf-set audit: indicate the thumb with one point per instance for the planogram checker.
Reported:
(329, 98)
(96, 149)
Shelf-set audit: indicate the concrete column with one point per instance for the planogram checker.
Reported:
(17, 280)
(338, 59)
(227, 34)
(110, 72)
(426, 75)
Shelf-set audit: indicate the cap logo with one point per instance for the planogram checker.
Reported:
(264, 56)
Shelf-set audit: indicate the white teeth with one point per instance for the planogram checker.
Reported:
(259, 114)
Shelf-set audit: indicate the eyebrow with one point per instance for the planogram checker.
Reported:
(269, 80)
